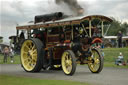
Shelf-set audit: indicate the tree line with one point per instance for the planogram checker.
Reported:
(117, 26)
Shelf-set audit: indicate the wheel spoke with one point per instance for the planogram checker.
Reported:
(33, 63)
(25, 56)
(34, 55)
(34, 58)
(92, 66)
(33, 47)
(25, 61)
(69, 68)
(70, 62)
(97, 61)
(66, 57)
(34, 51)
(30, 45)
(26, 48)
(25, 53)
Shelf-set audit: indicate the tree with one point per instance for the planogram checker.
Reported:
(117, 26)
(124, 28)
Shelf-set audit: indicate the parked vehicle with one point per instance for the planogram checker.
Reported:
(65, 42)
(1, 39)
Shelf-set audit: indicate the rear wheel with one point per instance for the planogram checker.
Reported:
(31, 55)
(68, 62)
(97, 61)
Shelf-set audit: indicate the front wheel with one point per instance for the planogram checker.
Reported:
(68, 62)
(31, 55)
(96, 65)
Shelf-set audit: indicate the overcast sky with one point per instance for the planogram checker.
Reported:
(13, 12)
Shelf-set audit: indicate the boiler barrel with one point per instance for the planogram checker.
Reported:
(49, 17)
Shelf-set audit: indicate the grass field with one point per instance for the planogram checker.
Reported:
(110, 55)
(109, 58)
(12, 80)
(16, 59)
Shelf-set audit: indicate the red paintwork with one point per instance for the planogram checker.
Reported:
(97, 40)
(67, 41)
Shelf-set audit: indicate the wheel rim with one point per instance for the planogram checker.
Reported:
(95, 64)
(67, 62)
(28, 55)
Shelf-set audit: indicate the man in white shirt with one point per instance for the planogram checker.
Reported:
(120, 56)
(120, 59)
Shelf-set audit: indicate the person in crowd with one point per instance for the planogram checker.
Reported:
(6, 54)
(120, 59)
(119, 38)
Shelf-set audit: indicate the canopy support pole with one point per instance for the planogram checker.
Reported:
(102, 28)
(72, 32)
(90, 26)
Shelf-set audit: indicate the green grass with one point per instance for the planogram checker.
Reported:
(16, 59)
(112, 53)
(112, 64)
(12, 80)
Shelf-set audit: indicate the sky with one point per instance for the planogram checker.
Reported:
(14, 12)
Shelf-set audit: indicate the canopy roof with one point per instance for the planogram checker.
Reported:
(114, 37)
(64, 22)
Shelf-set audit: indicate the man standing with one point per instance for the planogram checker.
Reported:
(119, 38)
(6, 53)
